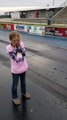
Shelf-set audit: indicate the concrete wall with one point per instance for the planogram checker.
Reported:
(33, 14)
(42, 13)
(15, 15)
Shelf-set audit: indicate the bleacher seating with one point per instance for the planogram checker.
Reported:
(32, 20)
(60, 17)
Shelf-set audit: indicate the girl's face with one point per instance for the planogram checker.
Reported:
(15, 41)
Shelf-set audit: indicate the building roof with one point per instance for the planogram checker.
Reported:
(13, 9)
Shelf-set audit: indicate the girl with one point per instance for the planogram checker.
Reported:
(19, 66)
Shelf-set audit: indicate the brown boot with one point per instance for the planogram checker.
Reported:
(27, 96)
(16, 101)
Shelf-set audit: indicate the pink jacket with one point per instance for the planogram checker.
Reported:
(17, 67)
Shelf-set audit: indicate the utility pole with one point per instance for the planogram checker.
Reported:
(53, 2)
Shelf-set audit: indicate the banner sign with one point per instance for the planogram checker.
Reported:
(30, 29)
(20, 27)
(1, 26)
(56, 31)
(7, 26)
(38, 30)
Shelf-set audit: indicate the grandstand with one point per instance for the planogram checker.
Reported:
(60, 17)
(49, 13)
(53, 14)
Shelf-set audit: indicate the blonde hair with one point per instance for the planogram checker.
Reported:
(13, 34)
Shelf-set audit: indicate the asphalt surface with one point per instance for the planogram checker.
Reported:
(46, 80)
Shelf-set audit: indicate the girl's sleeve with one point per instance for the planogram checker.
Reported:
(23, 49)
(10, 53)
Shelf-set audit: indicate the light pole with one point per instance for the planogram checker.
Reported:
(53, 2)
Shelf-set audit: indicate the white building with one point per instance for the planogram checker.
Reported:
(41, 10)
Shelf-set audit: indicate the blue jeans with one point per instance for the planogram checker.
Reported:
(16, 77)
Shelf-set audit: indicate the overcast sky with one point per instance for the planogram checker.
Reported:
(14, 3)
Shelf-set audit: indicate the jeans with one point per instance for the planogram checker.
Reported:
(16, 77)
